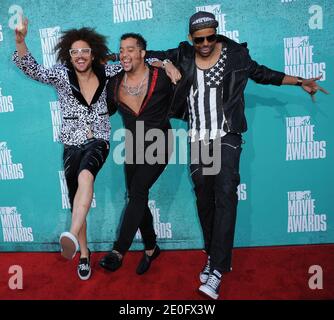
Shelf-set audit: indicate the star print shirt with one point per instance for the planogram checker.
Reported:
(206, 98)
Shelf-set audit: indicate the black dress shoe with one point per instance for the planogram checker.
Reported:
(146, 260)
(111, 261)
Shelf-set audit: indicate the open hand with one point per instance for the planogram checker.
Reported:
(311, 86)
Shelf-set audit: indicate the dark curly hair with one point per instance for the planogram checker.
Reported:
(96, 41)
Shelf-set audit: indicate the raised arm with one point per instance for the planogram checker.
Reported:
(20, 34)
(262, 74)
(171, 54)
(112, 69)
(162, 59)
(26, 62)
(309, 85)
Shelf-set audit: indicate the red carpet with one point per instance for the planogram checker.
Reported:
(263, 273)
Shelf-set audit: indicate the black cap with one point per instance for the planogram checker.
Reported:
(202, 20)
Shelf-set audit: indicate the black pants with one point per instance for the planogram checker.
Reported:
(90, 156)
(139, 179)
(217, 199)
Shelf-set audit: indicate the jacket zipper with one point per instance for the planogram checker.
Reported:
(225, 119)
(230, 145)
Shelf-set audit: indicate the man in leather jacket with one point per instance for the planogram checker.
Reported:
(210, 95)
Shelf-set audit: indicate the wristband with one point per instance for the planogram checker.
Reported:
(299, 81)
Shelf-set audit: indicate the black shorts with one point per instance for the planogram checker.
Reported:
(90, 156)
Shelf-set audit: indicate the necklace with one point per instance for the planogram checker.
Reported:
(134, 90)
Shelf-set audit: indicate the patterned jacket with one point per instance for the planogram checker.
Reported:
(78, 117)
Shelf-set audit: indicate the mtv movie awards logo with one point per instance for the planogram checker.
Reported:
(6, 103)
(221, 18)
(300, 140)
(132, 10)
(65, 200)
(12, 226)
(302, 216)
(56, 120)
(8, 169)
(299, 60)
(163, 230)
(49, 39)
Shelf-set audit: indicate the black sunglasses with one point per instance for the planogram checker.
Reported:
(210, 38)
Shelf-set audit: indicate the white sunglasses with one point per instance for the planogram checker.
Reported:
(83, 51)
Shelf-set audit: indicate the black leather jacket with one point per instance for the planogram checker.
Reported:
(238, 68)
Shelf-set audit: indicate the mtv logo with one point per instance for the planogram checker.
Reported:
(303, 195)
(300, 41)
(215, 9)
(53, 32)
(302, 121)
(11, 210)
(3, 146)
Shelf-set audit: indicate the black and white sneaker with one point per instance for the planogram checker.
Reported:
(84, 270)
(211, 287)
(69, 245)
(204, 274)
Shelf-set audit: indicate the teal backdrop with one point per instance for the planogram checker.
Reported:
(286, 192)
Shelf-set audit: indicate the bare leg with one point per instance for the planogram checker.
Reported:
(83, 241)
(82, 202)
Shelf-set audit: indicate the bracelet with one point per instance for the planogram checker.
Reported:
(165, 62)
(299, 81)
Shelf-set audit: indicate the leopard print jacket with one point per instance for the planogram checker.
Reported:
(78, 118)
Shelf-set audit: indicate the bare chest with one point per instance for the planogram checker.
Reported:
(133, 97)
(88, 89)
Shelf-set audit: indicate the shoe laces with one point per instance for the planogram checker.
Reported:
(84, 265)
(213, 281)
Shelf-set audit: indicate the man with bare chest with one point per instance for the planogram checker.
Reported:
(80, 81)
(142, 94)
